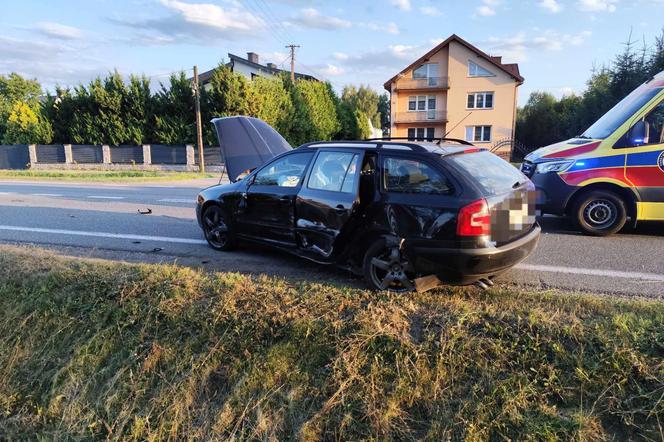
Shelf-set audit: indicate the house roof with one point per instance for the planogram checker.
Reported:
(206, 76)
(510, 68)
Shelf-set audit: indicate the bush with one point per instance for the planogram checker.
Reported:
(25, 126)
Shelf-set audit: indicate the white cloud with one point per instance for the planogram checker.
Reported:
(196, 21)
(485, 11)
(57, 30)
(52, 62)
(340, 56)
(597, 5)
(312, 18)
(404, 5)
(390, 28)
(214, 16)
(330, 70)
(430, 10)
(516, 47)
(552, 6)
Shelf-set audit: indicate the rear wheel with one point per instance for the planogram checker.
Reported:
(218, 229)
(600, 213)
(386, 268)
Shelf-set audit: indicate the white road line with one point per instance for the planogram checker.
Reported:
(592, 272)
(100, 197)
(176, 200)
(6, 193)
(46, 194)
(104, 235)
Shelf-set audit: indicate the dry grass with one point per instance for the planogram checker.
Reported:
(128, 352)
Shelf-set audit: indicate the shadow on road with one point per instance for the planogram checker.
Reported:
(565, 226)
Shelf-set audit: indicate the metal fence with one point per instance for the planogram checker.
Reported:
(87, 154)
(127, 154)
(14, 156)
(51, 153)
(163, 154)
(172, 157)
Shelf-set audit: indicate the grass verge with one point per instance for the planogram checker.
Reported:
(103, 175)
(99, 350)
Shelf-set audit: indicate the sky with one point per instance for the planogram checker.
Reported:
(555, 42)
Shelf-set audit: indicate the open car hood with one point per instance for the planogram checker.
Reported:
(247, 143)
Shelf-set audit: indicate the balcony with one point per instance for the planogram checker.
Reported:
(430, 116)
(422, 83)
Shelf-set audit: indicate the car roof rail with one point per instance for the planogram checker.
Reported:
(438, 140)
(353, 143)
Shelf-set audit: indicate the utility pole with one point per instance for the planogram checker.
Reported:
(199, 125)
(292, 60)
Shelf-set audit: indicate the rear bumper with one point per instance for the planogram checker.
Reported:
(466, 266)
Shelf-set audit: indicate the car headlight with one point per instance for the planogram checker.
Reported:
(554, 166)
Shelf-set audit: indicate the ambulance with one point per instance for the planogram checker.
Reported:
(613, 172)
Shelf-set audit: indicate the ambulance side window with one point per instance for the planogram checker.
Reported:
(651, 130)
(655, 124)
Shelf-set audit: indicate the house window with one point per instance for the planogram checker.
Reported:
(478, 134)
(480, 100)
(422, 103)
(420, 133)
(427, 70)
(475, 70)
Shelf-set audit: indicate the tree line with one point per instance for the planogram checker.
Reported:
(113, 111)
(545, 120)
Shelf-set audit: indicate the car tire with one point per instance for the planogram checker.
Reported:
(385, 268)
(218, 228)
(600, 213)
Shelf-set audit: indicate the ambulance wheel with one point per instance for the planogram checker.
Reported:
(600, 213)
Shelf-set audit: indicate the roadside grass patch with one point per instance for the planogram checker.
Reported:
(99, 350)
(103, 175)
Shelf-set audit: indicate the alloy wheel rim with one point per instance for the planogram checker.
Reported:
(600, 213)
(389, 271)
(216, 231)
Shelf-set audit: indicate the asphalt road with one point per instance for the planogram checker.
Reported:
(103, 221)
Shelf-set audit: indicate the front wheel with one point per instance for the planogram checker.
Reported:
(218, 229)
(386, 268)
(600, 213)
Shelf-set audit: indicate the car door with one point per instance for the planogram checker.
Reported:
(327, 203)
(267, 207)
(419, 199)
(645, 165)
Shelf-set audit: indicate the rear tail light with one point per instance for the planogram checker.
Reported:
(474, 219)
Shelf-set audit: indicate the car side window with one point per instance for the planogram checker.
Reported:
(284, 172)
(402, 175)
(334, 172)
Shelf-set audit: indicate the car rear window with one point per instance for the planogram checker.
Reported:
(493, 174)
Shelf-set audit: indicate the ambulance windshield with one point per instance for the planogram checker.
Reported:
(615, 118)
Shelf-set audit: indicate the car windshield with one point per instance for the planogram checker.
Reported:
(493, 174)
(617, 116)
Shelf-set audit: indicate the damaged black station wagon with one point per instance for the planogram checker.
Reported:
(402, 213)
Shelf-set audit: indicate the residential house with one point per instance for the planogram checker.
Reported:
(250, 67)
(457, 91)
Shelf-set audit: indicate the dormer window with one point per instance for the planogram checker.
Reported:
(475, 70)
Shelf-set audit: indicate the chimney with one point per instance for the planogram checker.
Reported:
(252, 57)
(272, 66)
